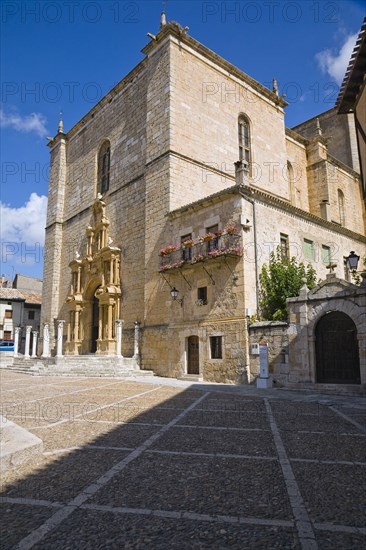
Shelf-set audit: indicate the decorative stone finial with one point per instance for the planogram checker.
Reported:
(274, 86)
(318, 128)
(60, 125)
(162, 19)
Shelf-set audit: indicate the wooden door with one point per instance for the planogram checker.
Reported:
(193, 355)
(337, 354)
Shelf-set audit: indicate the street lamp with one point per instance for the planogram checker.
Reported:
(353, 260)
(174, 294)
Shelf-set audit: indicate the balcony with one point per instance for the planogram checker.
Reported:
(209, 247)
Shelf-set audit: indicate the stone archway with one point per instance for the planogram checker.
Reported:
(336, 349)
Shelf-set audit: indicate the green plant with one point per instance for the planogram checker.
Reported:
(282, 278)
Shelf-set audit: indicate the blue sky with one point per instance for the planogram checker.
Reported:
(65, 55)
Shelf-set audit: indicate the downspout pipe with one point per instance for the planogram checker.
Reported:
(252, 201)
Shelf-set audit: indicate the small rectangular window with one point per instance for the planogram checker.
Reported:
(30, 314)
(326, 254)
(7, 335)
(8, 314)
(202, 296)
(186, 246)
(216, 347)
(284, 246)
(309, 251)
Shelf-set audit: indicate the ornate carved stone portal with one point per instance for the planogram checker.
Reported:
(95, 292)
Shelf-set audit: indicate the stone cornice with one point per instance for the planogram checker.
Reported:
(343, 166)
(175, 30)
(296, 137)
(103, 102)
(251, 193)
(214, 198)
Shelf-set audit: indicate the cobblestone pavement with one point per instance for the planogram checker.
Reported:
(166, 465)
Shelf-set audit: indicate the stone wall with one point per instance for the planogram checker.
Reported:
(339, 130)
(291, 346)
(277, 335)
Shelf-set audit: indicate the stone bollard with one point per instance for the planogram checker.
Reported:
(60, 331)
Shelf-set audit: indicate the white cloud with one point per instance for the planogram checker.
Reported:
(35, 122)
(335, 63)
(24, 224)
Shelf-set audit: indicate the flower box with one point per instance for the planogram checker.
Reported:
(232, 230)
(187, 244)
(168, 249)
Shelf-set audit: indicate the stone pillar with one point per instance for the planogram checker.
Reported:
(79, 280)
(16, 340)
(28, 330)
(76, 326)
(119, 338)
(60, 330)
(46, 341)
(136, 340)
(109, 328)
(34, 343)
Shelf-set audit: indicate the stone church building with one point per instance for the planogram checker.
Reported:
(168, 196)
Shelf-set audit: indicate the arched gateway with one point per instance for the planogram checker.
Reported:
(336, 348)
(95, 292)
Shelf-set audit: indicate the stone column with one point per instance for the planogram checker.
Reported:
(109, 328)
(60, 330)
(28, 330)
(46, 341)
(34, 344)
(136, 340)
(76, 326)
(16, 340)
(119, 338)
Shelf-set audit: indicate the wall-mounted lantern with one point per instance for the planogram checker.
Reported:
(174, 294)
(353, 260)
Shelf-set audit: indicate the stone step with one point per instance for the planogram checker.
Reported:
(191, 377)
(99, 368)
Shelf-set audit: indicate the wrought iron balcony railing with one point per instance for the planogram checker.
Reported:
(221, 246)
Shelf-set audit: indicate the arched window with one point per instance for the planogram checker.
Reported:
(104, 159)
(244, 140)
(342, 217)
(291, 183)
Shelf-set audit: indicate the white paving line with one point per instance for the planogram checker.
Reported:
(302, 521)
(340, 528)
(211, 455)
(121, 422)
(30, 502)
(36, 385)
(54, 521)
(202, 454)
(91, 447)
(324, 461)
(354, 422)
(76, 416)
(170, 514)
(63, 394)
(201, 427)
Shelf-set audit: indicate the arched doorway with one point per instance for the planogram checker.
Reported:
(336, 348)
(95, 324)
(193, 364)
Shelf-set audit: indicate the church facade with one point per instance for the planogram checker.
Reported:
(166, 199)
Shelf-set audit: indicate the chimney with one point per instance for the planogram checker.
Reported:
(241, 172)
